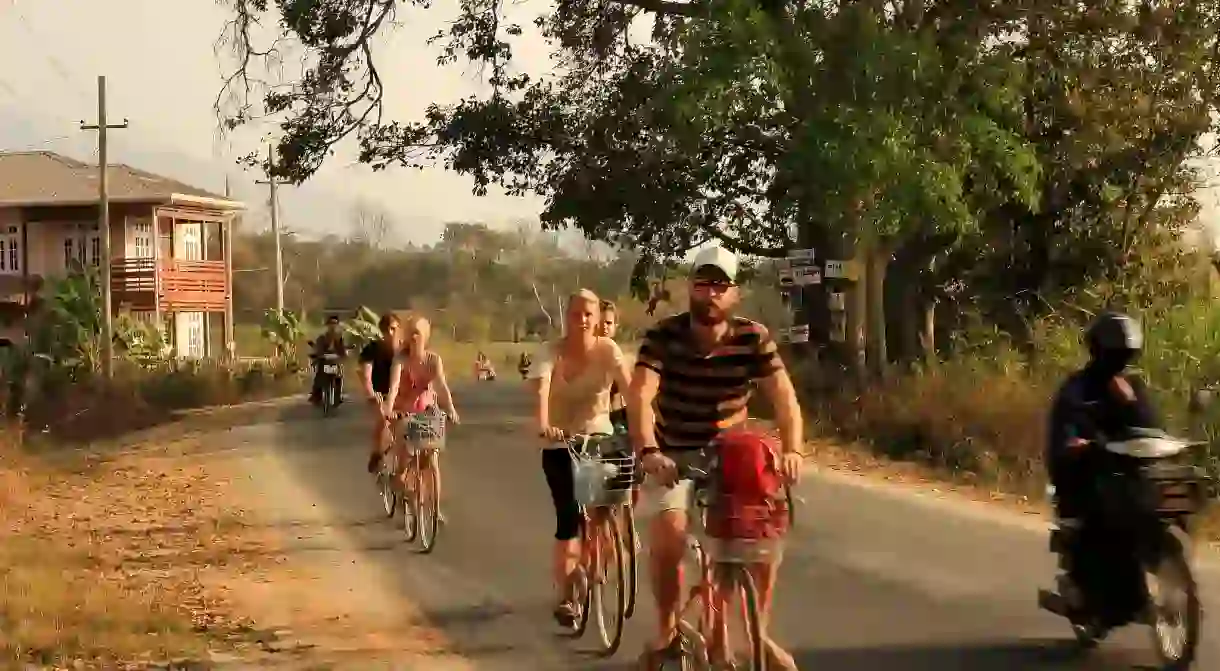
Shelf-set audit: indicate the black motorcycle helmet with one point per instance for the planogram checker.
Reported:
(1114, 340)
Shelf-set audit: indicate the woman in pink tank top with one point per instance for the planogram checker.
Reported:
(414, 380)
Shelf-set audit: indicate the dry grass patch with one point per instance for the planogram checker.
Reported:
(105, 567)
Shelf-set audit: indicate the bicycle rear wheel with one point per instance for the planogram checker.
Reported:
(611, 575)
(385, 484)
(427, 486)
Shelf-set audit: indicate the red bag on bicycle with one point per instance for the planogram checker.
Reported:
(747, 497)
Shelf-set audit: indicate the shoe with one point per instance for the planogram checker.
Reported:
(653, 659)
(565, 614)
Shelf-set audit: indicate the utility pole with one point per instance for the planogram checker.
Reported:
(273, 183)
(104, 222)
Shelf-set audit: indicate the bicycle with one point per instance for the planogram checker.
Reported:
(424, 433)
(604, 479)
(388, 486)
(723, 566)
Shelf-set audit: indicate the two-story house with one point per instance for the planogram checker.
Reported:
(169, 258)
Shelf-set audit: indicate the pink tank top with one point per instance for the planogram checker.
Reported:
(416, 394)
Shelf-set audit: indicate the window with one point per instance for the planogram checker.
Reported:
(143, 247)
(3, 242)
(14, 255)
(10, 250)
(95, 251)
(68, 258)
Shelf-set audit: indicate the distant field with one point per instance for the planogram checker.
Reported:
(458, 356)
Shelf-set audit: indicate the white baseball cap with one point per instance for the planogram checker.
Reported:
(718, 257)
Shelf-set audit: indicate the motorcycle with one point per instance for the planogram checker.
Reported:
(1152, 493)
(328, 391)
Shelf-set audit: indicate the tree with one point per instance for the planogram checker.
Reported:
(1037, 142)
(370, 225)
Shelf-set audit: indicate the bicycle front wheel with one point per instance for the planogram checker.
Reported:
(633, 560)
(410, 503)
(428, 485)
(735, 582)
(609, 587)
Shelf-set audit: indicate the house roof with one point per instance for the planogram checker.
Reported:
(33, 178)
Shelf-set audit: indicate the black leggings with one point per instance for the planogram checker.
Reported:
(557, 466)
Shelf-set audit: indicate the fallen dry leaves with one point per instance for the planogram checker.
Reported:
(106, 567)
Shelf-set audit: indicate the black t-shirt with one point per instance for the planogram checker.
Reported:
(382, 359)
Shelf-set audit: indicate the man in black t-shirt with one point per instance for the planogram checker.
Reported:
(376, 361)
(330, 342)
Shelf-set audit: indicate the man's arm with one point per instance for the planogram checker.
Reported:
(778, 389)
(395, 380)
(645, 382)
(777, 386)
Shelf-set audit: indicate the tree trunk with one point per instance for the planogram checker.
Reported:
(876, 262)
(927, 333)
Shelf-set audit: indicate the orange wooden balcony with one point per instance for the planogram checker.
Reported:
(174, 285)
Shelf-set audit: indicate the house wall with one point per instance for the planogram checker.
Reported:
(51, 230)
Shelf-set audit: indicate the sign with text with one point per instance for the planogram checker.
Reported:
(801, 254)
(795, 334)
(806, 275)
(840, 270)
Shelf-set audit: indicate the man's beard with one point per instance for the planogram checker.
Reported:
(706, 313)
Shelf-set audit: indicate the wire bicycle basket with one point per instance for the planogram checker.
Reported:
(603, 470)
(425, 428)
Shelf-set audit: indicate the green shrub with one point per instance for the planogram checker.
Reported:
(981, 415)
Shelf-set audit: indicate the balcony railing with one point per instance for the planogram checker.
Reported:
(180, 284)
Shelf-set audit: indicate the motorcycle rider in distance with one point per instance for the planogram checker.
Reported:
(330, 342)
(1100, 402)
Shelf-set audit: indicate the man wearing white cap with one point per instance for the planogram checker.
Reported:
(693, 380)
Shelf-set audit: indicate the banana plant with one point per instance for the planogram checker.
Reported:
(362, 328)
(142, 342)
(67, 329)
(282, 328)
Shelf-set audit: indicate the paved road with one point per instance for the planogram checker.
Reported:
(875, 578)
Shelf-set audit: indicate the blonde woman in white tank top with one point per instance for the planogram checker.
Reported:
(573, 379)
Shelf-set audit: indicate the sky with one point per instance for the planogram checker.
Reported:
(163, 75)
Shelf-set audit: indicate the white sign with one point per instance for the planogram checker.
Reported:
(806, 275)
(785, 276)
(837, 301)
(804, 254)
(795, 334)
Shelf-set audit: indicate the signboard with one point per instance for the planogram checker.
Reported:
(842, 270)
(837, 301)
(785, 276)
(795, 334)
(801, 254)
(806, 275)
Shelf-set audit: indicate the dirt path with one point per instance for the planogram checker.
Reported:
(192, 550)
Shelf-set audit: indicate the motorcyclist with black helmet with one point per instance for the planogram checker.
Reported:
(1102, 401)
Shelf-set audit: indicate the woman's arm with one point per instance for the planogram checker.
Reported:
(540, 376)
(445, 393)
